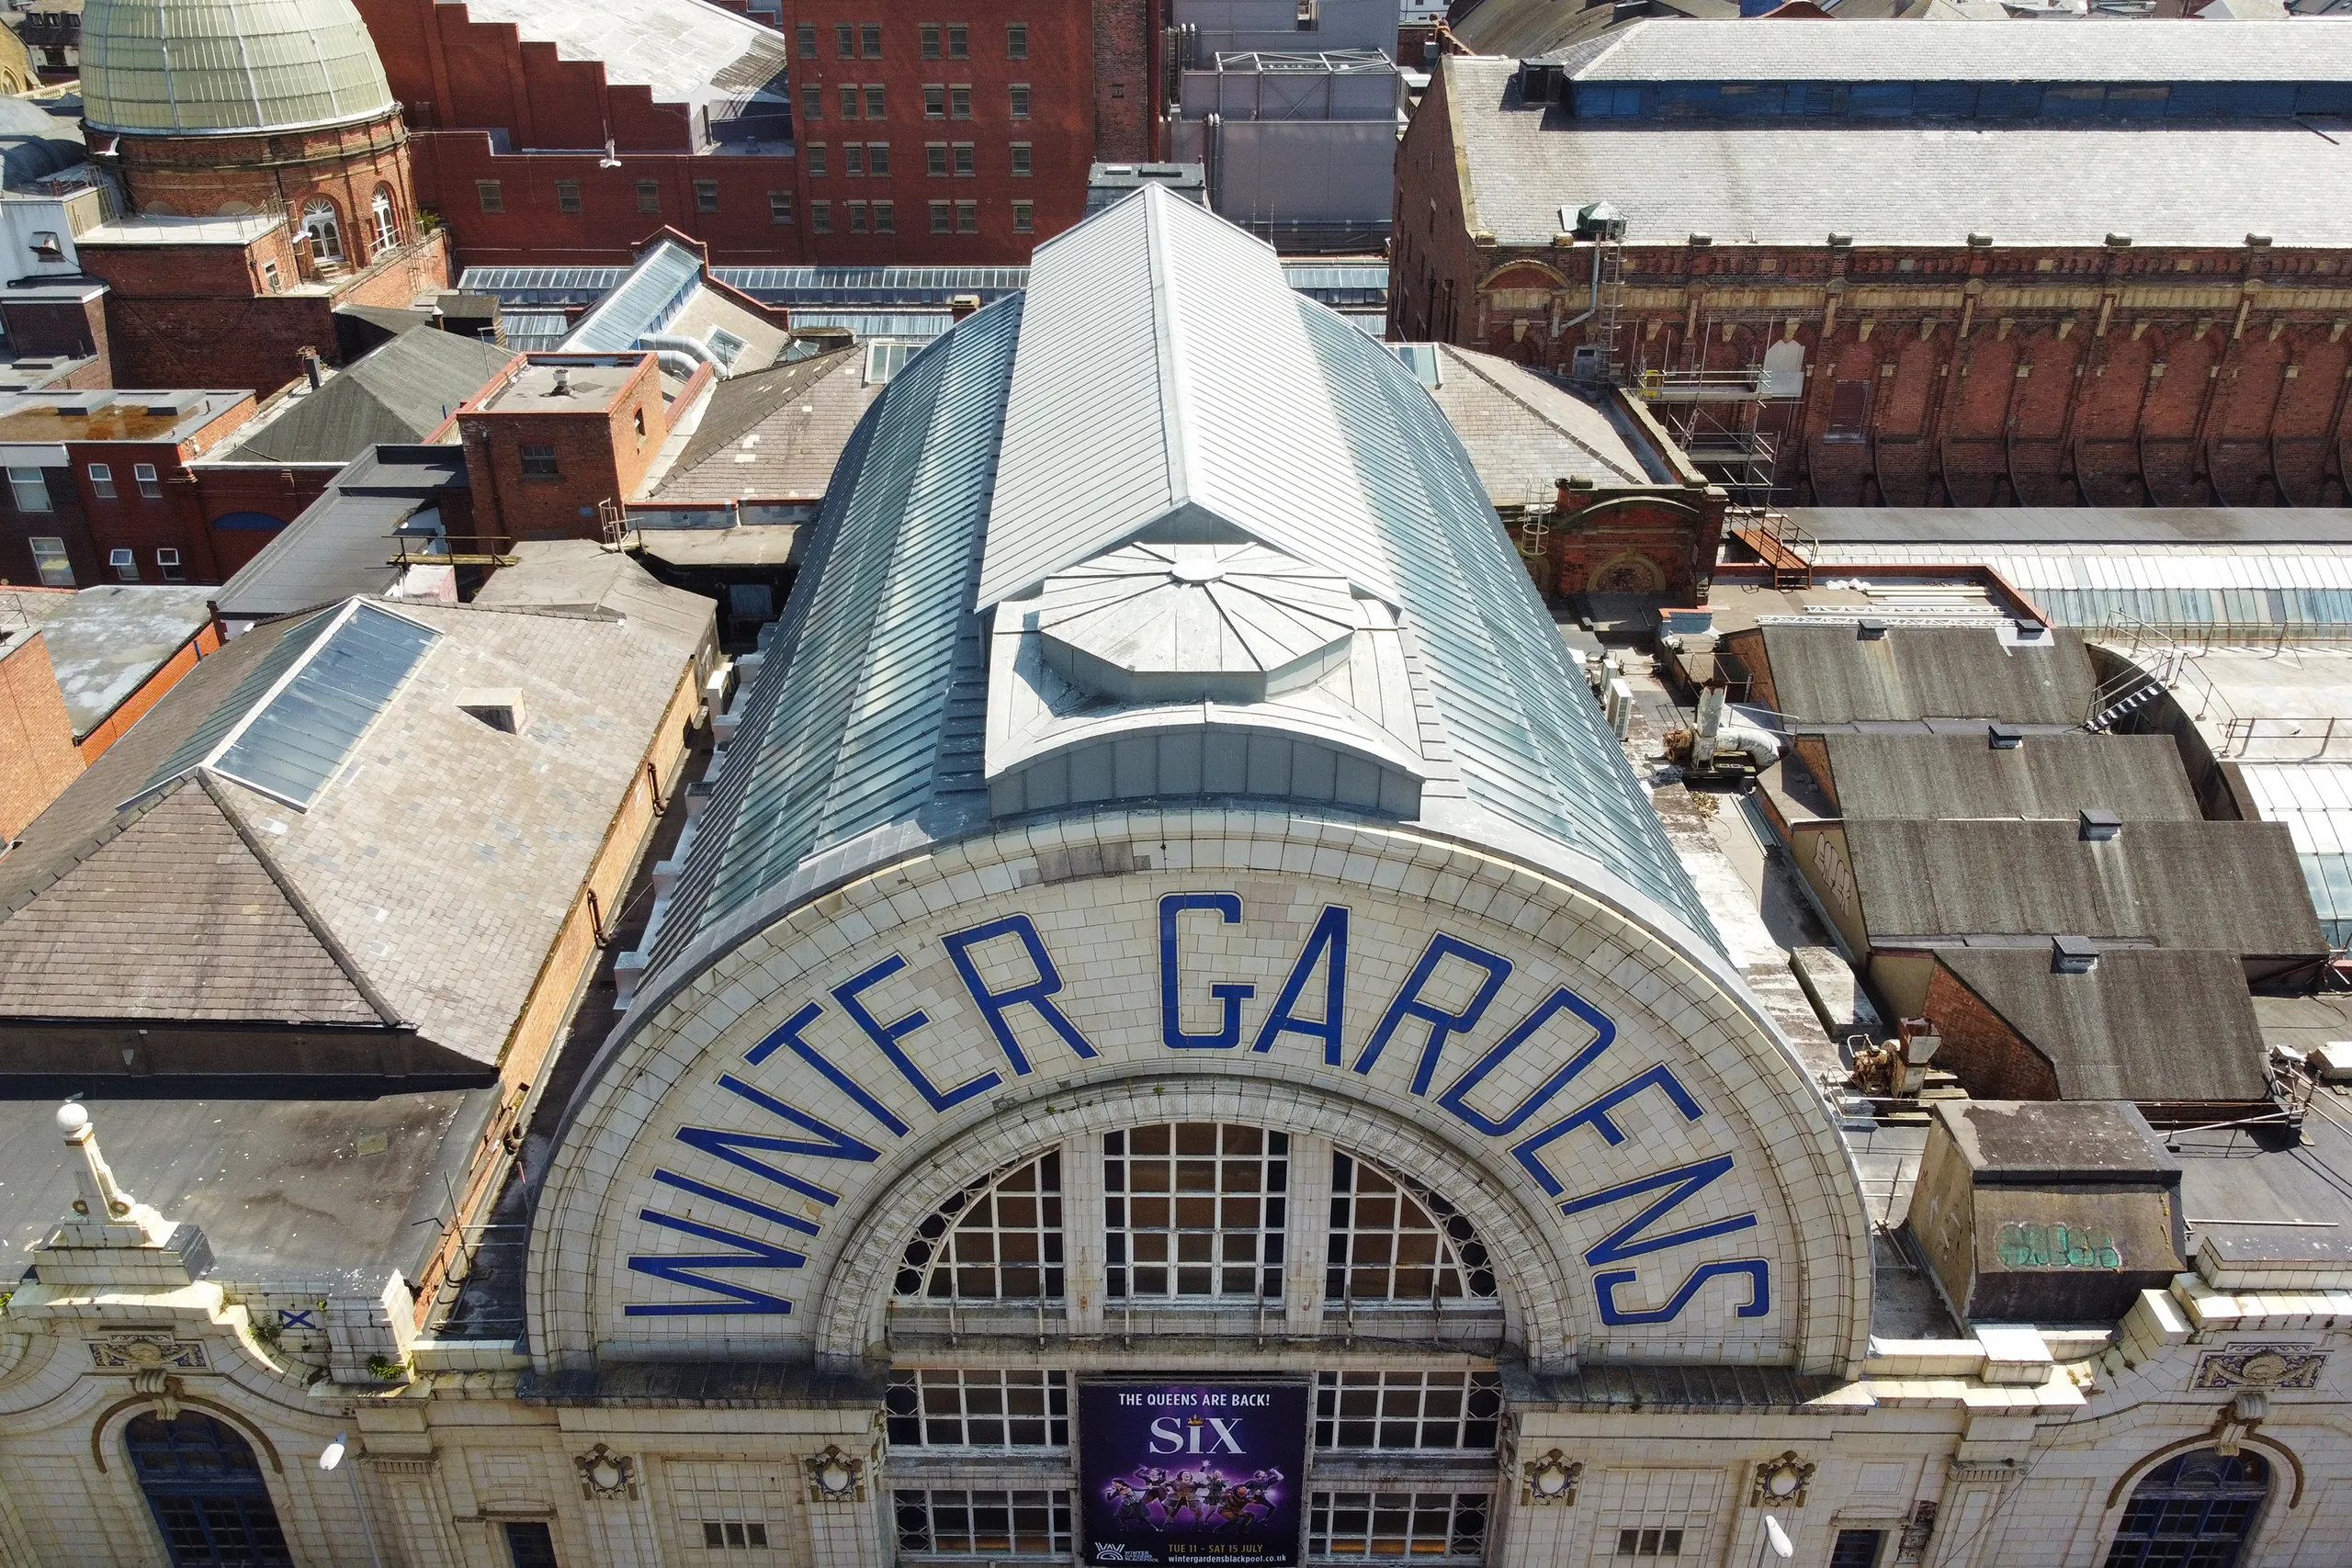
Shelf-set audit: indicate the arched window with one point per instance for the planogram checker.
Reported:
(387, 228)
(207, 1492)
(1392, 1241)
(997, 1240)
(323, 230)
(2191, 1512)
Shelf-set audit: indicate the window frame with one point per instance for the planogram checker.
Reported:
(1018, 97)
(102, 480)
(123, 562)
(150, 483)
(490, 195)
(959, 100)
(1016, 41)
(780, 211)
(537, 460)
(566, 198)
(1025, 159)
(53, 562)
(34, 481)
(649, 197)
(706, 196)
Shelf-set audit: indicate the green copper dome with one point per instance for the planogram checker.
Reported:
(220, 67)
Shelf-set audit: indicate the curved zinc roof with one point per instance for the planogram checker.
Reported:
(226, 67)
(868, 730)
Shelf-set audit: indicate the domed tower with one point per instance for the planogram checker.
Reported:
(252, 105)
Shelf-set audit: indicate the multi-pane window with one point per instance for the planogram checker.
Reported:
(167, 562)
(806, 36)
(942, 1522)
(849, 101)
(1020, 91)
(143, 475)
(959, 41)
(649, 196)
(706, 196)
(1857, 1549)
(1393, 1242)
(1407, 1410)
(877, 158)
(947, 1409)
(845, 40)
(997, 1240)
(1425, 1526)
(967, 217)
(965, 161)
(857, 217)
(1192, 1207)
(874, 100)
(1024, 217)
(931, 41)
(102, 481)
(812, 101)
(1659, 1542)
(934, 100)
(721, 1534)
(2196, 1509)
(125, 563)
(30, 488)
(820, 217)
(943, 218)
(1020, 161)
(814, 155)
(884, 220)
(870, 38)
(1016, 41)
(779, 206)
(567, 196)
(538, 461)
(51, 562)
(959, 102)
(853, 159)
(490, 195)
(935, 158)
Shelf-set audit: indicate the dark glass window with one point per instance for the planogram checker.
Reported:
(2193, 1512)
(207, 1493)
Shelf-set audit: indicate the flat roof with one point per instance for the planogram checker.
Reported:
(152, 229)
(589, 380)
(2075, 524)
(1899, 183)
(147, 417)
(106, 642)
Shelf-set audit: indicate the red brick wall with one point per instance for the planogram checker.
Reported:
(278, 492)
(599, 456)
(37, 755)
(58, 327)
(1124, 80)
(345, 164)
(2149, 375)
(1989, 1058)
(167, 675)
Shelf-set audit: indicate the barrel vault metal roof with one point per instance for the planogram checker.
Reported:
(225, 67)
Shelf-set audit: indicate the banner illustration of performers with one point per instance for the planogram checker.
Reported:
(1192, 1473)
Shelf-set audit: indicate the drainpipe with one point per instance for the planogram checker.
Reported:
(1586, 313)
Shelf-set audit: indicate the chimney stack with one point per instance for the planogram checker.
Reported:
(310, 358)
(964, 305)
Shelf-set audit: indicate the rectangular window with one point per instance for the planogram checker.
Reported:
(845, 40)
(849, 102)
(869, 38)
(539, 461)
(167, 562)
(721, 1534)
(1021, 100)
(1021, 159)
(1407, 1410)
(30, 489)
(931, 41)
(947, 1409)
(1192, 1207)
(1308, 16)
(820, 217)
(649, 196)
(816, 158)
(857, 217)
(50, 559)
(877, 159)
(779, 206)
(966, 163)
(812, 101)
(706, 196)
(1857, 1549)
(125, 564)
(488, 193)
(1849, 411)
(934, 101)
(1016, 41)
(269, 276)
(885, 222)
(102, 481)
(943, 218)
(959, 1523)
(959, 41)
(959, 102)
(567, 196)
(531, 1545)
(967, 217)
(1444, 1527)
(1024, 217)
(1651, 1543)
(853, 159)
(935, 158)
(144, 474)
(806, 35)
(874, 100)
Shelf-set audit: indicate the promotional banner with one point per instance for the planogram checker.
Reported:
(1192, 1472)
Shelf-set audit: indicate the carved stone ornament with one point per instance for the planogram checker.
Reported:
(138, 1352)
(2260, 1366)
(1918, 1527)
(835, 1476)
(604, 1473)
(1781, 1482)
(1551, 1478)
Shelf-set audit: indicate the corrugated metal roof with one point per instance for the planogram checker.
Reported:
(2093, 584)
(1164, 373)
(2168, 50)
(2137, 776)
(1831, 674)
(214, 67)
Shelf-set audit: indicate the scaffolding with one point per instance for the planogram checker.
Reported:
(1717, 414)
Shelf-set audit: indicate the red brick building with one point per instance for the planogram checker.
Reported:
(37, 755)
(1989, 285)
(851, 137)
(562, 434)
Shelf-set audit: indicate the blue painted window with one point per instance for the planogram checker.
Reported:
(2009, 100)
(2196, 1509)
(1878, 100)
(207, 1493)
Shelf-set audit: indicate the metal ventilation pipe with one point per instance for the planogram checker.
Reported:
(692, 348)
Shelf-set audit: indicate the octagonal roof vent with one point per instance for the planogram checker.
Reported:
(1160, 623)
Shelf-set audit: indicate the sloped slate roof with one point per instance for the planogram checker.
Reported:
(1525, 434)
(1830, 674)
(2233, 886)
(398, 392)
(775, 433)
(2148, 1024)
(2140, 777)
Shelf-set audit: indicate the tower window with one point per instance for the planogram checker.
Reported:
(959, 41)
(324, 230)
(1021, 159)
(567, 196)
(487, 192)
(388, 231)
(649, 196)
(931, 41)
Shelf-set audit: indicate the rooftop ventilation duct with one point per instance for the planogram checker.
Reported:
(2073, 955)
(2099, 824)
(1870, 631)
(2004, 737)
